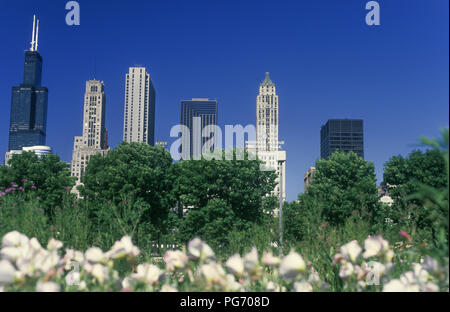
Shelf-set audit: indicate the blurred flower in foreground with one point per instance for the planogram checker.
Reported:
(197, 249)
(291, 265)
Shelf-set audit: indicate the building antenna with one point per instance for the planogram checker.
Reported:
(37, 36)
(32, 37)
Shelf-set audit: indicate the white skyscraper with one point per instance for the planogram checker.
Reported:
(94, 139)
(139, 110)
(267, 146)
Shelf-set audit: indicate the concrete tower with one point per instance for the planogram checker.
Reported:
(139, 110)
(93, 140)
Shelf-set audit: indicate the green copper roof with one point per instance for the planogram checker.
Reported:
(267, 81)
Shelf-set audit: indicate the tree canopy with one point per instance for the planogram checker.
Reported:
(343, 184)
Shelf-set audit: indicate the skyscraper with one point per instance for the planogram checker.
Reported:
(93, 140)
(342, 134)
(139, 111)
(28, 119)
(267, 146)
(205, 110)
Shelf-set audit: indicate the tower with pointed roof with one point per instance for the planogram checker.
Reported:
(268, 147)
(267, 116)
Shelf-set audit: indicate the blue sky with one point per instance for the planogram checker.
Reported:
(326, 62)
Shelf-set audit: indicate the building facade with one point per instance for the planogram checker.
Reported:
(93, 141)
(307, 179)
(139, 110)
(28, 118)
(342, 134)
(267, 146)
(196, 115)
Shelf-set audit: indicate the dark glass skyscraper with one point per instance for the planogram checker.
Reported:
(342, 134)
(206, 110)
(28, 119)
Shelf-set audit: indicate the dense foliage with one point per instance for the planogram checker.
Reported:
(342, 185)
(49, 176)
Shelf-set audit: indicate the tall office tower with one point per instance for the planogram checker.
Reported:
(342, 134)
(139, 112)
(267, 147)
(28, 119)
(93, 140)
(205, 111)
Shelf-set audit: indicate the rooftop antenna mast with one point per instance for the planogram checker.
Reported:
(35, 35)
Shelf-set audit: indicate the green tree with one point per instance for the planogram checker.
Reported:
(47, 173)
(132, 175)
(240, 183)
(405, 174)
(221, 194)
(342, 185)
(301, 219)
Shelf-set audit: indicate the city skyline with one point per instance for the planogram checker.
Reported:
(347, 71)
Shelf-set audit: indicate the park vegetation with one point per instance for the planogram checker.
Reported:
(146, 213)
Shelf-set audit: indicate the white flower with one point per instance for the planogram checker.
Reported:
(270, 260)
(314, 277)
(251, 260)
(375, 267)
(14, 239)
(346, 270)
(123, 248)
(47, 287)
(213, 273)
(148, 273)
(82, 286)
(406, 283)
(73, 278)
(54, 244)
(168, 288)
(7, 272)
(374, 245)
(389, 255)
(34, 245)
(421, 275)
(95, 255)
(72, 258)
(175, 260)
(430, 287)
(126, 283)
(197, 249)
(11, 253)
(302, 287)
(408, 278)
(394, 285)
(235, 265)
(291, 265)
(338, 258)
(45, 260)
(271, 286)
(351, 250)
(431, 265)
(99, 271)
(232, 285)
